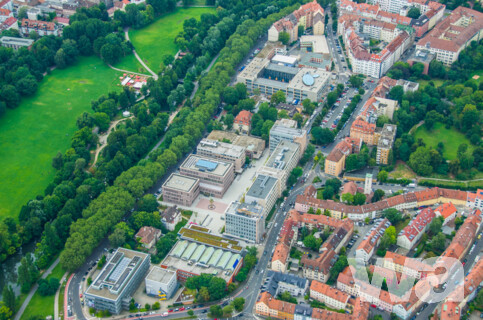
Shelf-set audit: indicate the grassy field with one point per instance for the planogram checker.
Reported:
(43, 306)
(42, 125)
(402, 171)
(437, 82)
(449, 137)
(130, 63)
(157, 39)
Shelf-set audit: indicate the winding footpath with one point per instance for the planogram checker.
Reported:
(126, 34)
(127, 71)
(103, 139)
(34, 289)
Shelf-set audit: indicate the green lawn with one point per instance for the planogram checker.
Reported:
(157, 39)
(42, 125)
(449, 137)
(43, 306)
(437, 82)
(130, 63)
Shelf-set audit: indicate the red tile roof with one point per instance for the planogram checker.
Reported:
(244, 117)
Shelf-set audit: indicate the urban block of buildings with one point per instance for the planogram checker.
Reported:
(277, 282)
(411, 234)
(112, 289)
(409, 200)
(309, 15)
(43, 28)
(449, 37)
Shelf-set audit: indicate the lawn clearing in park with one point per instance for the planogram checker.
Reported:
(32, 134)
(451, 138)
(130, 63)
(437, 82)
(157, 39)
(43, 306)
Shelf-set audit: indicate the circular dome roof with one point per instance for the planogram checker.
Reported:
(308, 80)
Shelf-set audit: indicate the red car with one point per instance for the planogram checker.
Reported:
(182, 309)
(333, 126)
(373, 305)
(170, 310)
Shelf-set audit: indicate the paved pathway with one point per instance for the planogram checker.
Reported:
(33, 290)
(127, 71)
(56, 302)
(103, 139)
(126, 34)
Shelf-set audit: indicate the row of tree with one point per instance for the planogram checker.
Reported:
(180, 139)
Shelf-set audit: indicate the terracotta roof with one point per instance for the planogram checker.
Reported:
(349, 187)
(363, 126)
(10, 21)
(335, 155)
(418, 224)
(170, 214)
(5, 12)
(274, 304)
(328, 291)
(148, 234)
(281, 253)
(371, 240)
(447, 35)
(410, 263)
(244, 117)
(463, 238)
(446, 210)
(43, 25)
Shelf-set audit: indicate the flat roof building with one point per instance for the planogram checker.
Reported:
(161, 283)
(384, 145)
(281, 162)
(215, 176)
(245, 221)
(199, 252)
(181, 189)
(223, 151)
(317, 44)
(264, 191)
(283, 131)
(112, 289)
(272, 76)
(15, 43)
(254, 147)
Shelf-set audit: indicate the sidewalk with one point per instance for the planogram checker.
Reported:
(56, 302)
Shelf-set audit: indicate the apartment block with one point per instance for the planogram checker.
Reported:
(333, 298)
(181, 189)
(223, 151)
(449, 37)
(277, 282)
(410, 235)
(215, 176)
(368, 245)
(385, 143)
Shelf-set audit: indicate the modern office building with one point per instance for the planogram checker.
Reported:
(223, 151)
(181, 189)
(296, 83)
(384, 145)
(287, 130)
(112, 289)
(215, 176)
(245, 221)
(264, 192)
(15, 43)
(281, 162)
(161, 283)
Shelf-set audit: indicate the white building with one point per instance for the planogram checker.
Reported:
(161, 283)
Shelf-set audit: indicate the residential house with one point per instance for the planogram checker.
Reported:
(148, 236)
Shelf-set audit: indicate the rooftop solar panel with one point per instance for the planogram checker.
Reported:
(119, 269)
